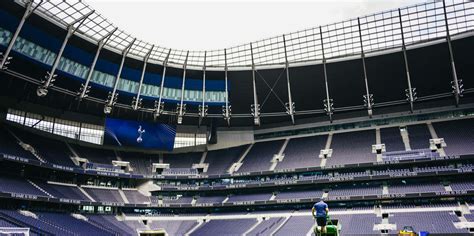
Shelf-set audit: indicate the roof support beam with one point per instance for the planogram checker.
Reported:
(85, 88)
(112, 99)
(368, 97)
(137, 101)
(409, 92)
(29, 9)
(290, 106)
(160, 105)
(328, 102)
(51, 76)
(226, 109)
(255, 107)
(456, 84)
(203, 107)
(181, 108)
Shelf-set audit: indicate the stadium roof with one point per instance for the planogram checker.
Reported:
(378, 31)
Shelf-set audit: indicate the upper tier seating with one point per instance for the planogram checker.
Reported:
(458, 135)
(392, 139)
(303, 152)
(182, 160)
(348, 148)
(419, 136)
(97, 155)
(352, 147)
(50, 150)
(260, 155)
(9, 145)
(141, 163)
(220, 160)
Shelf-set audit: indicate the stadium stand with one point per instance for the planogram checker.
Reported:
(10, 146)
(220, 160)
(62, 191)
(181, 162)
(50, 150)
(352, 147)
(458, 136)
(421, 220)
(419, 136)
(104, 194)
(175, 227)
(265, 227)
(302, 152)
(298, 225)
(95, 155)
(224, 227)
(19, 185)
(260, 155)
(392, 139)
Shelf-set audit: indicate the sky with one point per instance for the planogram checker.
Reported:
(217, 24)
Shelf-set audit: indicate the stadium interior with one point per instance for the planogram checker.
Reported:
(375, 115)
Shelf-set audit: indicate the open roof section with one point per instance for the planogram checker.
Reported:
(380, 31)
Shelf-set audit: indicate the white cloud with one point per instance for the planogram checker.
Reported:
(207, 25)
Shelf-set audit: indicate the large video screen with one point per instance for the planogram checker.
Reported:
(139, 134)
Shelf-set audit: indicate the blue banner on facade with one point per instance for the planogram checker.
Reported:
(139, 134)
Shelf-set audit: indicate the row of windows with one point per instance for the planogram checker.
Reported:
(86, 132)
(45, 56)
(81, 131)
(189, 139)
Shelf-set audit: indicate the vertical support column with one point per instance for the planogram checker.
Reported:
(112, 98)
(181, 108)
(290, 106)
(203, 107)
(328, 102)
(160, 105)
(137, 102)
(368, 97)
(84, 90)
(255, 107)
(51, 76)
(409, 92)
(456, 84)
(6, 55)
(226, 109)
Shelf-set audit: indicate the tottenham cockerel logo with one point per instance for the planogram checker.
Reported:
(140, 134)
